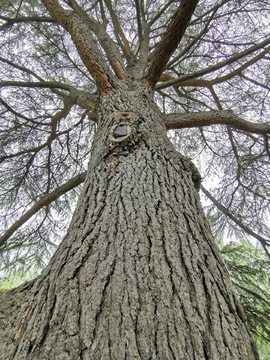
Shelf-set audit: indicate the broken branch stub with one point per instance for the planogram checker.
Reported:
(119, 133)
(121, 129)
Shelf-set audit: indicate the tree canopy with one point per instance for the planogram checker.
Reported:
(213, 93)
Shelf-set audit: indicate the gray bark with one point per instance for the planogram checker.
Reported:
(138, 275)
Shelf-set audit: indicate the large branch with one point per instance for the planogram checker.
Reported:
(263, 241)
(31, 72)
(199, 36)
(139, 22)
(170, 41)
(84, 99)
(68, 103)
(24, 19)
(44, 201)
(85, 44)
(207, 118)
(215, 67)
(37, 84)
(196, 39)
(124, 45)
(104, 39)
(144, 50)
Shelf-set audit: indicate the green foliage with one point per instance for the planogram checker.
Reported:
(249, 269)
(16, 278)
(264, 349)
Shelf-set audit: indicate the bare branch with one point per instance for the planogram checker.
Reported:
(239, 70)
(31, 72)
(170, 41)
(35, 84)
(214, 117)
(84, 99)
(199, 18)
(213, 68)
(263, 241)
(138, 13)
(68, 103)
(197, 38)
(24, 19)
(157, 16)
(255, 82)
(10, 109)
(43, 201)
(144, 50)
(118, 31)
(19, 67)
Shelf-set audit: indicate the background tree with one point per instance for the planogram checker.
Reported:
(249, 270)
(214, 87)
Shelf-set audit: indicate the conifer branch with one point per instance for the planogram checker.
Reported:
(24, 19)
(265, 242)
(220, 65)
(170, 41)
(85, 44)
(43, 201)
(214, 117)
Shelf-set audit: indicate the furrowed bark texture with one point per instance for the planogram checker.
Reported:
(138, 275)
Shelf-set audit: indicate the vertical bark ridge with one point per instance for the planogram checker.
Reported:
(138, 275)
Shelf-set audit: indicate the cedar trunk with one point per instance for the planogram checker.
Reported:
(138, 275)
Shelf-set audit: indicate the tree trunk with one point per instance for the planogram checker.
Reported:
(138, 275)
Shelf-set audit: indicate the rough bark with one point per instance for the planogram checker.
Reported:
(138, 275)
